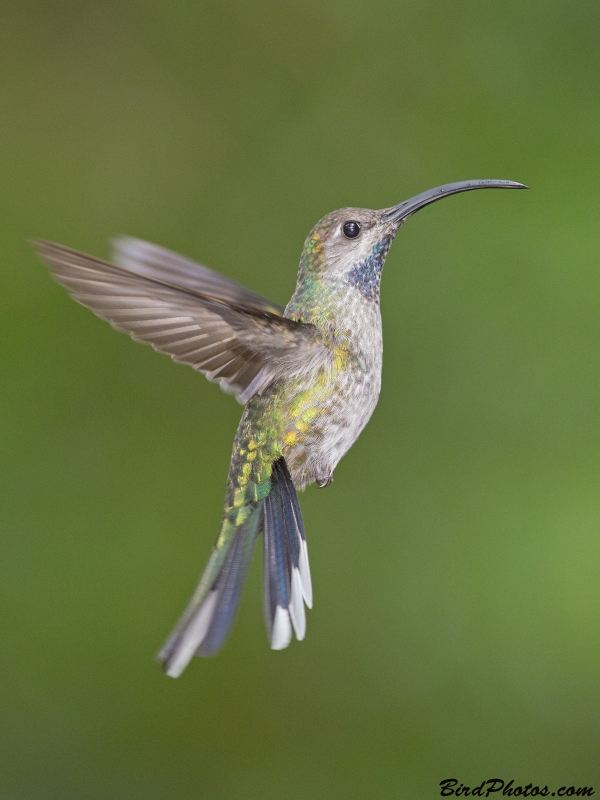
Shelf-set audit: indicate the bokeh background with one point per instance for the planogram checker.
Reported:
(456, 557)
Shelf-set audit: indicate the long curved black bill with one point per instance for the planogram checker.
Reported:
(406, 209)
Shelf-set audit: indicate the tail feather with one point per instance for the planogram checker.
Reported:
(193, 623)
(207, 620)
(231, 582)
(295, 530)
(276, 577)
(287, 584)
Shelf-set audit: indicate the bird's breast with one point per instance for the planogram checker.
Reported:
(326, 416)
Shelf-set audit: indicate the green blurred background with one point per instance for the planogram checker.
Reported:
(456, 557)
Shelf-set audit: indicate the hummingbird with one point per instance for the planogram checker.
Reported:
(308, 375)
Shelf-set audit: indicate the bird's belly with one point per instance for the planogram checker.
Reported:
(313, 451)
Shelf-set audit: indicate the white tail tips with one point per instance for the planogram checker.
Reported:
(192, 638)
(282, 629)
(305, 574)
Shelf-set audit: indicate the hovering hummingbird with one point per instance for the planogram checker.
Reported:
(309, 376)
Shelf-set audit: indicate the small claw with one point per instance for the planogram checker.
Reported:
(324, 481)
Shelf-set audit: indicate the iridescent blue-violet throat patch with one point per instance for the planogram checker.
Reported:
(366, 276)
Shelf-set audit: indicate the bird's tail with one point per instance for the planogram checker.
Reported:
(207, 620)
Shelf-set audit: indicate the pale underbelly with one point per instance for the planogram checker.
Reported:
(314, 455)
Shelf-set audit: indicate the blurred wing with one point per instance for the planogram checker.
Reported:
(195, 315)
(159, 264)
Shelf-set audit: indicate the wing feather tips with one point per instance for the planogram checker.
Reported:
(155, 262)
(172, 303)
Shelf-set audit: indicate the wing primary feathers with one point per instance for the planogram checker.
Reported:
(159, 263)
(191, 313)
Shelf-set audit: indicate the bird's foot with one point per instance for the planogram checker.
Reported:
(324, 480)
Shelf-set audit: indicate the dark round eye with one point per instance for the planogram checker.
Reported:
(351, 229)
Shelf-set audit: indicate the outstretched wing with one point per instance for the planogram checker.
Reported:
(162, 265)
(198, 317)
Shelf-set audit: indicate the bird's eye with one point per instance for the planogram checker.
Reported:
(351, 229)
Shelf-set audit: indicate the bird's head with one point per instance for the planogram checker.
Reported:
(350, 245)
